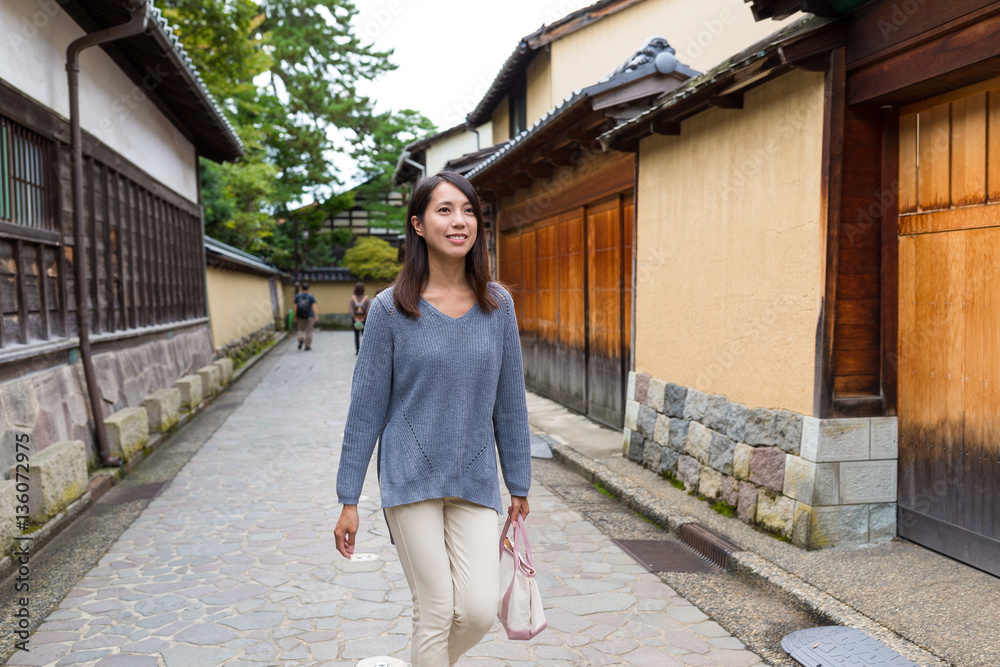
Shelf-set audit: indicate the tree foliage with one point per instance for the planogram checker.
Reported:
(285, 73)
(371, 258)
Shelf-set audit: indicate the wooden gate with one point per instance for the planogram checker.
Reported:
(949, 326)
(572, 276)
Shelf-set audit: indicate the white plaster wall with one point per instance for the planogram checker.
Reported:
(457, 146)
(34, 35)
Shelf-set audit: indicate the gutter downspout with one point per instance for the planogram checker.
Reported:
(136, 25)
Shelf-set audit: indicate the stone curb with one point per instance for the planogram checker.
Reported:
(103, 479)
(744, 563)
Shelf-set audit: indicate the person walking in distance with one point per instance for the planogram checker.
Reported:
(306, 315)
(439, 379)
(358, 308)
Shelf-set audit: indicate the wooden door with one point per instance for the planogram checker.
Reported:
(605, 312)
(949, 327)
(572, 355)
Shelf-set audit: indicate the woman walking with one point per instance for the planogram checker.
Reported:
(439, 378)
(358, 308)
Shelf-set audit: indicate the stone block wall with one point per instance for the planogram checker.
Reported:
(818, 482)
(240, 348)
(52, 405)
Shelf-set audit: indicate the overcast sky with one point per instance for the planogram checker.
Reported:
(448, 51)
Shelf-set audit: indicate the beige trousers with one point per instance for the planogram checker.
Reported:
(449, 553)
(304, 326)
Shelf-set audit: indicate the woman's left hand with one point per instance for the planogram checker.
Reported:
(518, 505)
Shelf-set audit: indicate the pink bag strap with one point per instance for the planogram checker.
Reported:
(519, 532)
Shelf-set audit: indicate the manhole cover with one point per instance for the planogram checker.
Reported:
(662, 556)
(835, 645)
(130, 492)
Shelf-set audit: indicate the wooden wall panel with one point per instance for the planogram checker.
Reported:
(968, 151)
(604, 298)
(993, 146)
(547, 290)
(572, 380)
(908, 164)
(933, 149)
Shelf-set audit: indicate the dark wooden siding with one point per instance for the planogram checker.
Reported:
(143, 251)
(857, 333)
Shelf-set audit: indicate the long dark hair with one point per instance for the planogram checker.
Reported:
(413, 278)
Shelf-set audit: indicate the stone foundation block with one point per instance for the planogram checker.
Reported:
(788, 431)
(736, 421)
(191, 393)
(661, 433)
(767, 468)
(699, 443)
(746, 508)
(885, 438)
(837, 440)
(225, 365)
(57, 477)
(651, 454)
(636, 446)
(654, 394)
(647, 421)
(630, 395)
(626, 440)
(668, 460)
(710, 483)
(775, 512)
(731, 490)
(632, 415)
(716, 413)
(812, 483)
(802, 525)
(163, 407)
(128, 432)
(742, 455)
(844, 524)
(11, 438)
(689, 472)
(674, 399)
(211, 380)
(868, 482)
(722, 453)
(695, 404)
(641, 386)
(678, 433)
(759, 429)
(8, 522)
(882, 521)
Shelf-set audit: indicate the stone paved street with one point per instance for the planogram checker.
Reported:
(234, 562)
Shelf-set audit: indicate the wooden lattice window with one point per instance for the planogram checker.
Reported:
(25, 172)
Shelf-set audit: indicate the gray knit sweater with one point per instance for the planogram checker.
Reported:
(439, 391)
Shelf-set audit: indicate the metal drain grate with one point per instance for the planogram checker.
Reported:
(712, 546)
(662, 556)
(128, 493)
(834, 645)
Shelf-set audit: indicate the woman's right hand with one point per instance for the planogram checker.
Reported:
(347, 530)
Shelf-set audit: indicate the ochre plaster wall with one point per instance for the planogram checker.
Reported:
(729, 259)
(501, 122)
(330, 297)
(238, 304)
(538, 85)
(703, 33)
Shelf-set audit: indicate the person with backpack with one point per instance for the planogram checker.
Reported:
(358, 308)
(306, 315)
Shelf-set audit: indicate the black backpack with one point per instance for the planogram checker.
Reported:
(303, 305)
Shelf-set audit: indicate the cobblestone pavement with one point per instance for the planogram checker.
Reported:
(233, 563)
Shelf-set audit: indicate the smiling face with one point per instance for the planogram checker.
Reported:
(449, 223)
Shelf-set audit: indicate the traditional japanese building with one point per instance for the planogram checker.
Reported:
(144, 118)
(815, 262)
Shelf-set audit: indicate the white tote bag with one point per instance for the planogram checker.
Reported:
(520, 606)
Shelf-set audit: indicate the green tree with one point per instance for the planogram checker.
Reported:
(371, 258)
(383, 139)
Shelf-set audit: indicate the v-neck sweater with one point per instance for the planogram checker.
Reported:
(445, 395)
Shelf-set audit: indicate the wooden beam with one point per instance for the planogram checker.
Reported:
(831, 180)
(537, 169)
(890, 259)
(734, 101)
(951, 61)
(667, 127)
(564, 157)
(520, 180)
